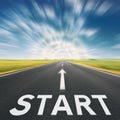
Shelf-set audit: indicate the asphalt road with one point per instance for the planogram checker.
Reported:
(45, 80)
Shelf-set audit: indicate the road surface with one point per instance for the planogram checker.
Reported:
(45, 80)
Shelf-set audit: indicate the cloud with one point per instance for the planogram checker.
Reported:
(59, 49)
(88, 32)
(49, 12)
(89, 6)
(76, 5)
(97, 7)
(79, 24)
(43, 41)
(23, 25)
(73, 25)
(4, 32)
(49, 31)
(117, 46)
(39, 9)
(7, 45)
(103, 8)
(6, 35)
(10, 25)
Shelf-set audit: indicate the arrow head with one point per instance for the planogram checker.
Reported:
(62, 71)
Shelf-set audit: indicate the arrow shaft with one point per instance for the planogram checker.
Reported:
(62, 82)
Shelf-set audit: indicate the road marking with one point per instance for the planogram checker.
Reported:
(62, 64)
(62, 79)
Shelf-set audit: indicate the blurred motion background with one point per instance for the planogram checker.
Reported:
(59, 29)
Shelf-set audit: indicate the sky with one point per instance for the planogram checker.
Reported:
(59, 29)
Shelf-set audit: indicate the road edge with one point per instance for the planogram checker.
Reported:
(22, 70)
(96, 69)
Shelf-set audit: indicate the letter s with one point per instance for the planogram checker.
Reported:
(22, 102)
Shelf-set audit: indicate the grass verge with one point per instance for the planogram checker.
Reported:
(7, 66)
(109, 65)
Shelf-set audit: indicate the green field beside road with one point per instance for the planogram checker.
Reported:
(109, 65)
(7, 66)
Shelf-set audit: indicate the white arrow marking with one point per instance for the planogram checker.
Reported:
(62, 79)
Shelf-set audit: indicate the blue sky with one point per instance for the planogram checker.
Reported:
(49, 29)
